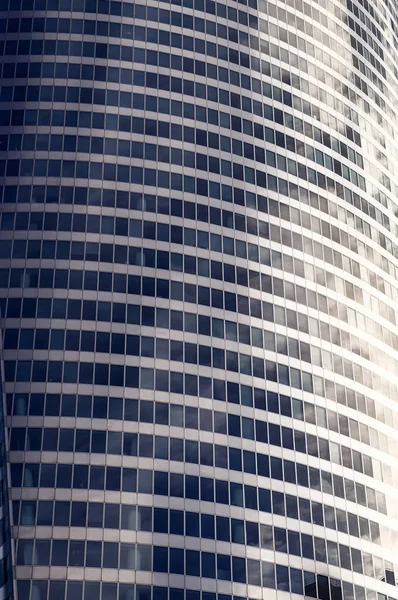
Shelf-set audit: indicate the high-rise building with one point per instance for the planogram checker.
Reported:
(198, 284)
(6, 579)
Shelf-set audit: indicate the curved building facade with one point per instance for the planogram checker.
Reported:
(198, 283)
(6, 577)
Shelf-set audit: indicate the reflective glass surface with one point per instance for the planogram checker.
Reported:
(198, 294)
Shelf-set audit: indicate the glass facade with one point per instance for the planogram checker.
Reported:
(6, 576)
(198, 299)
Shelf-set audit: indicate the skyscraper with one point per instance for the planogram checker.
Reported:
(198, 292)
